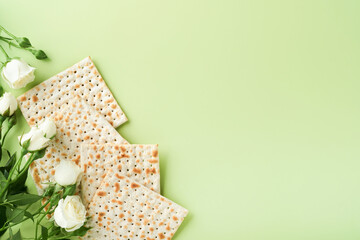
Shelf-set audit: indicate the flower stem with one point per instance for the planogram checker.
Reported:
(6, 55)
(7, 32)
(39, 220)
(27, 165)
(7, 40)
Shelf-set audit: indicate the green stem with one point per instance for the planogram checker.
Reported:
(7, 32)
(9, 42)
(27, 165)
(50, 230)
(39, 221)
(15, 45)
(6, 55)
(2, 192)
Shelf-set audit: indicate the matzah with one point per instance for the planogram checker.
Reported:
(76, 123)
(138, 162)
(124, 209)
(82, 79)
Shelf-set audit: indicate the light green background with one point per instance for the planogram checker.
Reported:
(254, 104)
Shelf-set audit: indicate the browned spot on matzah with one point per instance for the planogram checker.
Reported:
(119, 176)
(77, 160)
(117, 187)
(35, 98)
(154, 153)
(150, 170)
(134, 185)
(137, 170)
(101, 193)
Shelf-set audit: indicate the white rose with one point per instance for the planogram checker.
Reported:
(70, 213)
(39, 136)
(48, 127)
(18, 73)
(8, 104)
(37, 139)
(67, 173)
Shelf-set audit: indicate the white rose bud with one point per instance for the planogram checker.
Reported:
(18, 73)
(37, 139)
(48, 127)
(8, 104)
(70, 213)
(67, 173)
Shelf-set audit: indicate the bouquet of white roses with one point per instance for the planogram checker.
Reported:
(60, 214)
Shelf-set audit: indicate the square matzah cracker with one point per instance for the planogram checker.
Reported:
(139, 162)
(76, 123)
(82, 79)
(124, 209)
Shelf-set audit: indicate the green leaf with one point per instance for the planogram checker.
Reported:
(3, 182)
(2, 177)
(12, 120)
(15, 215)
(11, 234)
(17, 236)
(29, 215)
(80, 232)
(23, 199)
(3, 218)
(69, 190)
(44, 233)
(39, 154)
(9, 164)
(18, 186)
